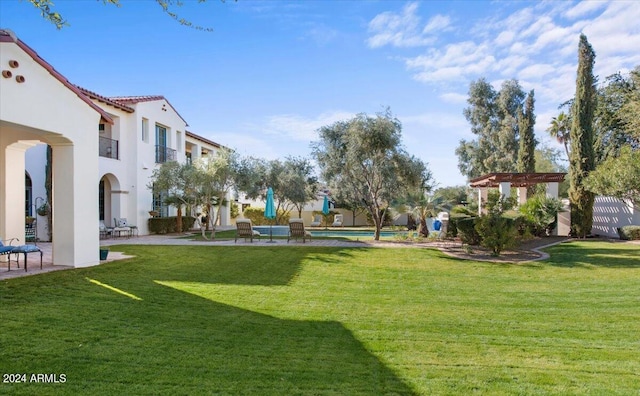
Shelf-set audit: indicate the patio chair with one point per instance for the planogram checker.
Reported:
(6, 250)
(337, 221)
(435, 227)
(121, 226)
(317, 221)
(105, 232)
(244, 229)
(296, 230)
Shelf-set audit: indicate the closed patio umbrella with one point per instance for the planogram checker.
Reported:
(325, 209)
(270, 211)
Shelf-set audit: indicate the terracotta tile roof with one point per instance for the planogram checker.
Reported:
(202, 139)
(105, 100)
(144, 98)
(7, 36)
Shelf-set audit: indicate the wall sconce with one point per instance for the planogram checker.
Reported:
(20, 79)
(7, 73)
(13, 63)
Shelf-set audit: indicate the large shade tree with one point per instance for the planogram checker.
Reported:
(582, 156)
(618, 177)
(365, 155)
(47, 11)
(494, 119)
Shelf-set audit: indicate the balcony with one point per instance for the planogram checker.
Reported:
(165, 154)
(108, 148)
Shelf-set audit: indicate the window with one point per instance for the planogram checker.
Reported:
(163, 152)
(28, 191)
(179, 141)
(145, 130)
(101, 199)
(158, 204)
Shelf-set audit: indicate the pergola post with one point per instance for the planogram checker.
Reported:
(483, 194)
(552, 192)
(505, 189)
(522, 195)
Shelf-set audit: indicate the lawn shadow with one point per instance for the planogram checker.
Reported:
(169, 341)
(594, 253)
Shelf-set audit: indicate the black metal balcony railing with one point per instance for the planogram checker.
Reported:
(108, 148)
(165, 154)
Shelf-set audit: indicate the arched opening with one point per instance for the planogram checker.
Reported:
(28, 195)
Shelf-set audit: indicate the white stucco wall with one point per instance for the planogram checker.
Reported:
(43, 109)
(610, 213)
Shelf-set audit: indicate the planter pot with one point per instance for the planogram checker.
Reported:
(104, 253)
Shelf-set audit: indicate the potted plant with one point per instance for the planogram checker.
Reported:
(43, 210)
(104, 252)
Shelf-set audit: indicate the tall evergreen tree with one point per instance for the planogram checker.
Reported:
(582, 159)
(526, 121)
(526, 151)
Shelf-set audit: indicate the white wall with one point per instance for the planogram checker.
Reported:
(610, 213)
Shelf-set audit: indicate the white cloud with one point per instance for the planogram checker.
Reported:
(453, 97)
(296, 127)
(403, 30)
(583, 8)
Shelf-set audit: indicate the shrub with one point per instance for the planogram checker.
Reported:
(452, 227)
(497, 232)
(541, 213)
(256, 215)
(167, 225)
(467, 231)
(629, 233)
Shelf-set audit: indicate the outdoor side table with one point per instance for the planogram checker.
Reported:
(24, 249)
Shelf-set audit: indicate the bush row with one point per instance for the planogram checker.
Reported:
(168, 225)
(256, 215)
(629, 233)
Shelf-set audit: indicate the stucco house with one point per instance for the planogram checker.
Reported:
(103, 151)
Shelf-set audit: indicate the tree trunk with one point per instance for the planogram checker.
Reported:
(179, 218)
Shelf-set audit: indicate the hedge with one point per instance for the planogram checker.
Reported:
(169, 225)
(467, 230)
(256, 215)
(629, 233)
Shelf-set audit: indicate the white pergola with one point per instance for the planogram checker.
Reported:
(504, 182)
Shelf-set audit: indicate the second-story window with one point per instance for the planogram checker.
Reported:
(163, 152)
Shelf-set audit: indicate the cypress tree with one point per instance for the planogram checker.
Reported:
(527, 144)
(582, 158)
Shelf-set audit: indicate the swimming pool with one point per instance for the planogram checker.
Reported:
(329, 233)
(279, 230)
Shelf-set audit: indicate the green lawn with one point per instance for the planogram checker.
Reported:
(187, 320)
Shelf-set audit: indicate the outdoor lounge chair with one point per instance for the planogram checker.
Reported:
(435, 229)
(296, 230)
(337, 221)
(317, 221)
(244, 229)
(105, 232)
(121, 226)
(6, 250)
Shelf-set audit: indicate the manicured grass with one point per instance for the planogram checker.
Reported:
(310, 320)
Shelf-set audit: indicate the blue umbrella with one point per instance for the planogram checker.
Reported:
(270, 211)
(325, 207)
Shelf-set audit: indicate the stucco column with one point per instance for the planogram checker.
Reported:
(12, 193)
(552, 190)
(483, 194)
(522, 195)
(196, 152)
(75, 205)
(505, 189)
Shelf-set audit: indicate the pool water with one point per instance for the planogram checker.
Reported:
(278, 230)
(354, 233)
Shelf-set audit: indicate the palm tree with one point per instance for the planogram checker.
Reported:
(422, 206)
(560, 129)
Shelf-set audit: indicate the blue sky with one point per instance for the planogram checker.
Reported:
(272, 72)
